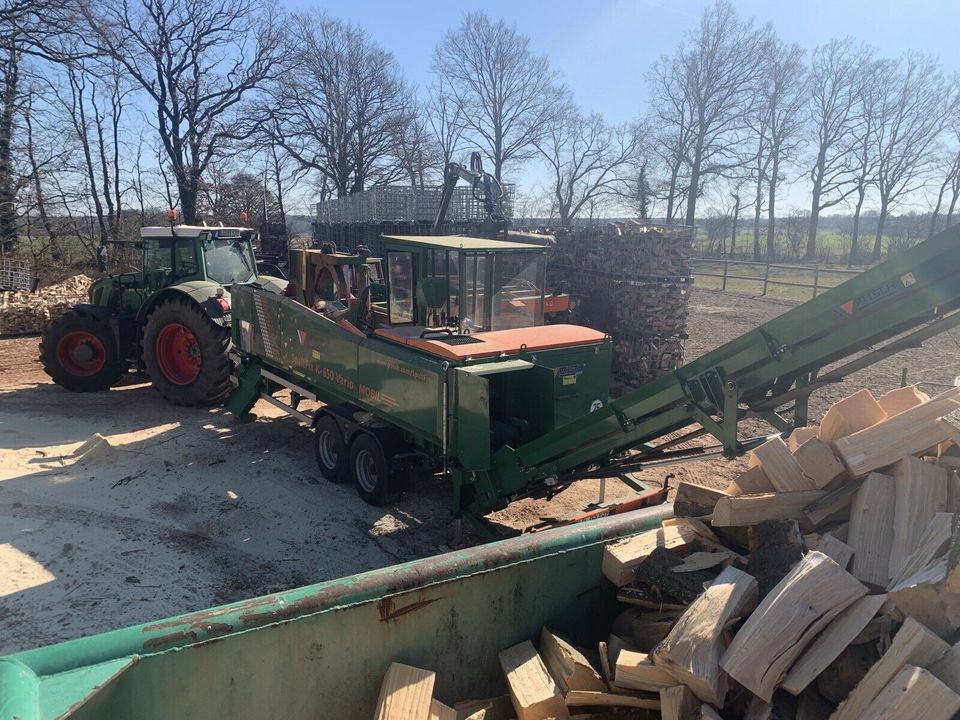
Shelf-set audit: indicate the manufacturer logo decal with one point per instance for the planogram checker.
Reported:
(881, 292)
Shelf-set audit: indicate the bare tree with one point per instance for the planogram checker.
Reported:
(341, 106)
(950, 167)
(837, 75)
(916, 105)
(445, 117)
(759, 169)
(864, 157)
(672, 116)
(10, 59)
(91, 99)
(505, 92)
(197, 62)
(784, 96)
(585, 159)
(954, 193)
(718, 67)
(241, 192)
(416, 149)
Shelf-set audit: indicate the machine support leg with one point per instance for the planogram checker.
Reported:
(247, 392)
(801, 406)
(731, 402)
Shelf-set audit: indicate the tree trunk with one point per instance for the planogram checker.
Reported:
(811, 252)
(188, 200)
(672, 191)
(80, 124)
(736, 217)
(8, 210)
(878, 241)
(691, 216)
(40, 200)
(936, 208)
(953, 205)
(855, 238)
(757, 210)
(771, 210)
(279, 182)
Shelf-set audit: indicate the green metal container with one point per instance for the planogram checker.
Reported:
(320, 652)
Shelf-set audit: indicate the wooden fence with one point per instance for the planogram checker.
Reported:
(769, 275)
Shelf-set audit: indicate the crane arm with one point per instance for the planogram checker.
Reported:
(485, 187)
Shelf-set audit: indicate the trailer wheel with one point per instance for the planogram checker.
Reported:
(330, 449)
(370, 471)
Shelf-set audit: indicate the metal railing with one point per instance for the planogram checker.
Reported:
(820, 281)
(16, 275)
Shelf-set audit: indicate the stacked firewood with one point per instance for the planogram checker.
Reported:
(822, 584)
(23, 312)
(631, 281)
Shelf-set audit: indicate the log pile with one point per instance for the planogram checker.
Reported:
(824, 584)
(23, 312)
(631, 281)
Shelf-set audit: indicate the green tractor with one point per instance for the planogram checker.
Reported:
(170, 320)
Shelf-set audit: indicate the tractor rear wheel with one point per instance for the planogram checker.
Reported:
(79, 352)
(330, 448)
(370, 471)
(185, 354)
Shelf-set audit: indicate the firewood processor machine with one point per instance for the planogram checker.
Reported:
(437, 359)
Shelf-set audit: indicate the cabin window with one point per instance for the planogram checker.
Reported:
(519, 278)
(400, 268)
(474, 286)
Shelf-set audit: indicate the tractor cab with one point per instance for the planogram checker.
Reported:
(174, 255)
(463, 285)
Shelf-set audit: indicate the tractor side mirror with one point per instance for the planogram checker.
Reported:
(102, 258)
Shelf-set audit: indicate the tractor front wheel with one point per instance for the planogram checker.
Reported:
(79, 352)
(185, 354)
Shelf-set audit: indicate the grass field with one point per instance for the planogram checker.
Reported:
(832, 247)
(749, 278)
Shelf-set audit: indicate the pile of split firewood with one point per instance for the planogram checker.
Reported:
(632, 281)
(23, 312)
(822, 584)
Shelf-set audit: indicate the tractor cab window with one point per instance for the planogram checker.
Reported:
(473, 316)
(400, 267)
(185, 257)
(518, 281)
(443, 269)
(157, 259)
(229, 260)
(166, 259)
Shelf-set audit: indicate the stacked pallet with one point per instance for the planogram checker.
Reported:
(24, 312)
(631, 281)
(824, 583)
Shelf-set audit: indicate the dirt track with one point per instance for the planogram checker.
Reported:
(182, 509)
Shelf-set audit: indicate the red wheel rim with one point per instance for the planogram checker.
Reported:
(178, 354)
(81, 353)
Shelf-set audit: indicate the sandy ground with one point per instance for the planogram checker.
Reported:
(182, 509)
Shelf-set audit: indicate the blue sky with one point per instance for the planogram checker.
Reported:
(603, 48)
